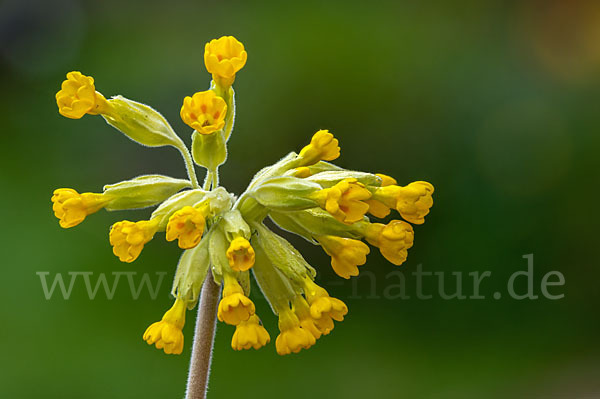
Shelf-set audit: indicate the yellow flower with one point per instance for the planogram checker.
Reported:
(376, 208)
(323, 147)
(393, 239)
(240, 254)
(71, 208)
(302, 310)
(223, 58)
(166, 334)
(250, 334)
(412, 202)
(292, 338)
(323, 308)
(344, 201)
(204, 112)
(346, 254)
(78, 96)
(128, 238)
(235, 307)
(186, 225)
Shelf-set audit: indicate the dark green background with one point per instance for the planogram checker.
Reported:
(495, 103)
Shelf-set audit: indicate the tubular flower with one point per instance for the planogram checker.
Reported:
(204, 112)
(323, 308)
(250, 334)
(186, 225)
(346, 254)
(303, 193)
(240, 254)
(412, 202)
(292, 337)
(344, 201)
(167, 334)
(323, 147)
(302, 310)
(376, 208)
(71, 208)
(234, 307)
(224, 57)
(128, 238)
(393, 239)
(78, 96)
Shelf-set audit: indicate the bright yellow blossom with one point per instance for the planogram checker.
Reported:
(393, 239)
(412, 202)
(250, 334)
(224, 57)
(376, 208)
(344, 201)
(167, 334)
(128, 238)
(323, 308)
(323, 147)
(302, 310)
(240, 254)
(235, 307)
(204, 112)
(346, 254)
(78, 96)
(292, 337)
(186, 225)
(71, 208)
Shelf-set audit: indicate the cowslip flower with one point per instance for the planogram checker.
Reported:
(224, 57)
(323, 147)
(346, 254)
(225, 240)
(250, 334)
(240, 254)
(78, 96)
(204, 112)
(187, 226)
(166, 334)
(393, 239)
(412, 202)
(345, 200)
(71, 208)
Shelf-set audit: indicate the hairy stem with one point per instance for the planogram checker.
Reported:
(189, 165)
(203, 340)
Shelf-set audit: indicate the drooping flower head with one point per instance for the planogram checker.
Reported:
(224, 235)
(167, 334)
(204, 112)
(240, 254)
(250, 334)
(235, 307)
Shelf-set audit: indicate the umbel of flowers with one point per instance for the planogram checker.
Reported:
(223, 235)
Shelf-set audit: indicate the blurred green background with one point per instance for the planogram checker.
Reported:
(494, 102)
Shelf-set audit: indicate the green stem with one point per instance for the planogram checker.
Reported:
(189, 165)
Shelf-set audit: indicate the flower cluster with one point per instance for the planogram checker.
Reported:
(223, 236)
